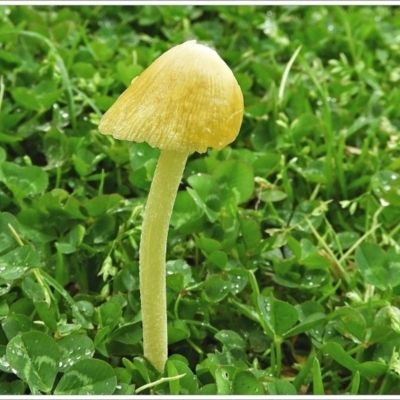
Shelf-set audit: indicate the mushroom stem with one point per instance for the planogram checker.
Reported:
(153, 244)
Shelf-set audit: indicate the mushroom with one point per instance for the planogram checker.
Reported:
(187, 100)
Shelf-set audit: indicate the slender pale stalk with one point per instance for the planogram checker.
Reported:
(152, 254)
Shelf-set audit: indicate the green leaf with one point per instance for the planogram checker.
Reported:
(140, 154)
(123, 375)
(174, 386)
(4, 309)
(188, 383)
(23, 306)
(386, 321)
(100, 340)
(205, 194)
(23, 181)
(376, 267)
(187, 216)
(178, 331)
(209, 389)
(179, 274)
(251, 232)
(55, 147)
(88, 377)
(216, 288)
(311, 211)
(130, 333)
(175, 282)
(110, 313)
(47, 314)
(230, 339)
(74, 348)
(281, 387)
(318, 386)
(222, 379)
(16, 262)
(352, 322)
(15, 324)
(25, 98)
(33, 227)
(47, 93)
(372, 369)
(310, 256)
(346, 240)
(101, 51)
(239, 279)
(83, 311)
(208, 245)
(35, 357)
(386, 186)
(16, 387)
(142, 366)
(245, 80)
(127, 72)
(103, 229)
(310, 322)
(237, 177)
(272, 195)
(84, 70)
(371, 261)
(278, 315)
(6, 237)
(393, 271)
(355, 384)
(218, 258)
(245, 383)
(315, 171)
(103, 103)
(340, 356)
(72, 240)
(266, 164)
(83, 161)
(4, 364)
(100, 205)
(309, 308)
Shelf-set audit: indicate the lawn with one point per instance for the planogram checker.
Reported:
(283, 255)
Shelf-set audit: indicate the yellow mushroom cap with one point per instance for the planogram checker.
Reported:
(187, 100)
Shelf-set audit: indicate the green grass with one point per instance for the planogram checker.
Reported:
(283, 254)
